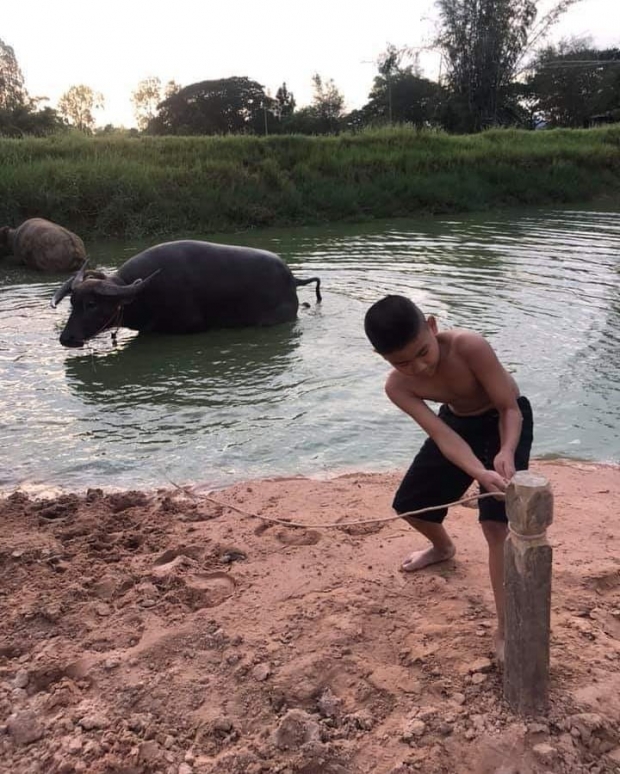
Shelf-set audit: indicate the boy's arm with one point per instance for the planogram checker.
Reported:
(452, 446)
(501, 389)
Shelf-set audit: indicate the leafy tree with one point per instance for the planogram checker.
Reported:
(77, 105)
(406, 97)
(327, 104)
(399, 93)
(286, 102)
(224, 106)
(572, 82)
(303, 121)
(23, 121)
(482, 44)
(171, 88)
(145, 99)
(389, 65)
(20, 114)
(324, 116)
(12, 89)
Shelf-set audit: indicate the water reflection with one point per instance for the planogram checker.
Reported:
(209, 370)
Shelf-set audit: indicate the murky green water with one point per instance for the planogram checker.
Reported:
(308, 397)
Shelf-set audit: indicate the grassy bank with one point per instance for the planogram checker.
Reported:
(154, 186)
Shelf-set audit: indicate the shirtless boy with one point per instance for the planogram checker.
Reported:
(483, 430)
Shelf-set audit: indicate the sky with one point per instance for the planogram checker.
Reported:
(113, 45)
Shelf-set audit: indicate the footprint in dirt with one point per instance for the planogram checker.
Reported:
(209, 589)
(298, 537)
(170, 554)
(295, 536)
(605, 581)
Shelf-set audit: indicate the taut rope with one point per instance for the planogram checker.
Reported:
(335, 525)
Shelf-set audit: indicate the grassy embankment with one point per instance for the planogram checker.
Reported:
(149, 186)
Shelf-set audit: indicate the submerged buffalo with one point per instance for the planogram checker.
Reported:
(42, 245)
(182, 287)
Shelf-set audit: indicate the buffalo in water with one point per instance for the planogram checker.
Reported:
(182, 287)
(42, 245)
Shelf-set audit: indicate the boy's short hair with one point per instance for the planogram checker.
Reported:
(392, 323)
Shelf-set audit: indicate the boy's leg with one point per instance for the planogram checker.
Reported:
(431, 480)
(495, 533)
(442, 549)
(495, 524)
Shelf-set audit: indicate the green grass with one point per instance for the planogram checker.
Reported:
(178, 186)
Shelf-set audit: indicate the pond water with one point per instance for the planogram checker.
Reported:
(307, 397)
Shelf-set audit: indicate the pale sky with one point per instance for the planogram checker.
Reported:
(111, 46)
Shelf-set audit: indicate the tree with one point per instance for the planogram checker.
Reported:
(20, 114)
(399, 93)
(145, 99)
(225, 106)
(327, 104)
(12, 90)
(303, 121)
(482, 44)
(405, 98)
(24, 121)
(171, 88)
(286, 102)
(572, 82)
(389, 65)
(77, 105)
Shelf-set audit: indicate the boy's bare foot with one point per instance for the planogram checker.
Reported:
(500, 647)
(419, 559)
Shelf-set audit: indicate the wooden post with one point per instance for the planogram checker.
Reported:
(527, 582)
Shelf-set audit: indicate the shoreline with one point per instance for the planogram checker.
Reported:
(49, 490)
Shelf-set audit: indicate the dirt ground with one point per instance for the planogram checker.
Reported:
(161, 632)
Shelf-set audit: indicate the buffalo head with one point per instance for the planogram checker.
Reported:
(96, 303)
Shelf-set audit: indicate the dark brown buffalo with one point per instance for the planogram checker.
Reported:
(42, 245)
(182, 287)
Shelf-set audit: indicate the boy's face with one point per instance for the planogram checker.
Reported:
(420, 357)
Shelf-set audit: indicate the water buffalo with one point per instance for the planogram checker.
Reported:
(43, 245)
(182, 287)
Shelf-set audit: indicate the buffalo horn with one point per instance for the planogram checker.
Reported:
(79, 277)
(122, 291)
(62, 291)
(68, 286)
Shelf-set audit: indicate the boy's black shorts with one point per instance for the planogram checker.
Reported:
(432, 479)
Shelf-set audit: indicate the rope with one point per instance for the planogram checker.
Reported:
(337, 525)
(538, 536)
(110, 323)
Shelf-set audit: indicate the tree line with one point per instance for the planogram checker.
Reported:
(496, 71)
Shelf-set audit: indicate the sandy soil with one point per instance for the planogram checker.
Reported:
(157, 632)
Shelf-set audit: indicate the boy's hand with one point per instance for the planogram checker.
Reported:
(504, 464)
(492, 481)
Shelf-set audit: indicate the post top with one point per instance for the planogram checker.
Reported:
(529, 503)
(529, 479)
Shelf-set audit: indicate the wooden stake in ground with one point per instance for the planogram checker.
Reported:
(527, 580)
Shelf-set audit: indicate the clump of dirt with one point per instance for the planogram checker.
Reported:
(163, 632)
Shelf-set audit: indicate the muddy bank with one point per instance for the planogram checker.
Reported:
(157, 632)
